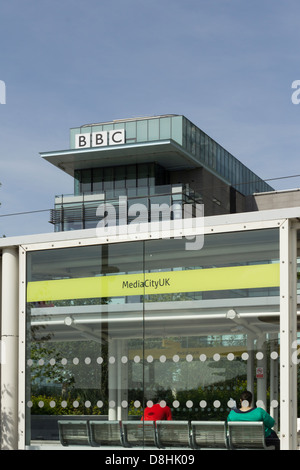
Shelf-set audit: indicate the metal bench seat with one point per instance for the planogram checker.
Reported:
(73, 432)
(139, 433)
(247, 435)
(105, 433)
(173, 434)
(209, 434)
(164, 434)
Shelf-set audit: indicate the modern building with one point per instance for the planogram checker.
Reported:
(158, 160)
(96, 325)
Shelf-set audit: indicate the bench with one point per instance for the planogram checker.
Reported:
(209, 435)
(173, 434)
(247, 435)
(105, 433)
(74, 432)
(139, 433)
(164, 434)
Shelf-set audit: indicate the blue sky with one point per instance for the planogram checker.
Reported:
(227, 65)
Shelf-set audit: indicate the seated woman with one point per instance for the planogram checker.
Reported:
(157, 412)
(248, 413)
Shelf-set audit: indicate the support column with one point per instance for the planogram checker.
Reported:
(9, 340)
(112, 380)
(122, 392)
(274, 381)
(250, 363)
(288, 335)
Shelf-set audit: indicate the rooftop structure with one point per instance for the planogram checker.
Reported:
(162, 159)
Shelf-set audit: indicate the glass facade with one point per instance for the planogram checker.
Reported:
(112, 328)
(113, 181)
(82, 211)
(198, 144)
(207, 172)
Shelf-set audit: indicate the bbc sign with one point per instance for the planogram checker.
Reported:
(100, 139)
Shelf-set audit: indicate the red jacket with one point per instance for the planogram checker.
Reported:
(157, 412)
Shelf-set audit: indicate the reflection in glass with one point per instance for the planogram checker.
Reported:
(111, 327)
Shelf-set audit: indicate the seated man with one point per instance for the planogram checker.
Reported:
(248, 413)
(157, 412)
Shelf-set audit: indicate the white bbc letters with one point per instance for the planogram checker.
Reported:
(117, 137)
(82, 141)
(100, 139)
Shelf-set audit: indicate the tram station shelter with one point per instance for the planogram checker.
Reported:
(100, 322)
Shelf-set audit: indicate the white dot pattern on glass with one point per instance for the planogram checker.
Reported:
(214, 403)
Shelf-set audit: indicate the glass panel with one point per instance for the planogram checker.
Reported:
(142, 175)
(81, 347)
(177, 129)
(90, 218)
(73, 132)
(160, 208)
(108, 179)
(138, 210)
(151, 174)
(113, 328)
(203, 348)
(98, 180)
(77, 177)
(119, 177)
(107, 127)
(131, 176)
(161, 175)
(142, 133)
(71, 216)
(130, 128)
(86, 181)
(205, 143)
(165, 128)
(153, 125)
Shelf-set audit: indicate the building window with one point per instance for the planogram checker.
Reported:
(98, 180)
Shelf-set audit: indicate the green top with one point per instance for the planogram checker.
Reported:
(255, 414)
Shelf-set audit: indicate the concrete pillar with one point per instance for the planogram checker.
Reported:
(9, 339)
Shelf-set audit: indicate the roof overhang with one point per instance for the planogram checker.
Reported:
(263, 219)
(167, 153)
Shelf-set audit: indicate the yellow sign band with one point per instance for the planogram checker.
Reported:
(192, 280)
